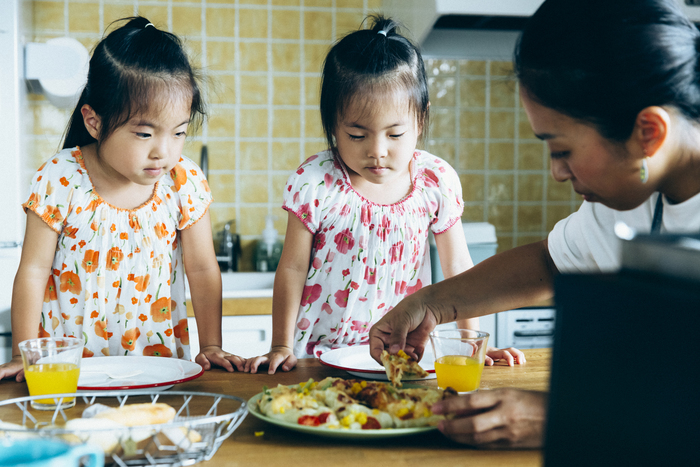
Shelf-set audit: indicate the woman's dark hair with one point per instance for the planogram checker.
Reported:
(128, 69)
(371, 61)
(603, 61)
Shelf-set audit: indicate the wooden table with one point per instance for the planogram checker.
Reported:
(278, 447)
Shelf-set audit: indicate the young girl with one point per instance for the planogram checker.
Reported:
(360, 213)
(113, 218)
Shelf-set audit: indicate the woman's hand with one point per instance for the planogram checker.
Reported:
(495, 419)
(13, 368)
(511, 355)
(278, 355)
(406, 327)
(213, 354)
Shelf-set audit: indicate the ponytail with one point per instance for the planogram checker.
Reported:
(372, 61)
(129, 69)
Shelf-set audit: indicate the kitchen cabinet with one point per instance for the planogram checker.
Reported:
(245, 336)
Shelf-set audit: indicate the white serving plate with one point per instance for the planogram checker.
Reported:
(357, 361)
(135, 373)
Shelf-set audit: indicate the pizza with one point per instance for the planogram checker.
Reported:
(336, 403)
(400, 365)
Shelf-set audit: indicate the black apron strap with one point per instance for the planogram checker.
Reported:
(658, 215)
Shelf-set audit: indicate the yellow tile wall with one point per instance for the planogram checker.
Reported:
(262, 59)
(478, 125)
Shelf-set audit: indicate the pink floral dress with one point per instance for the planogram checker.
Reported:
(118, 278)
(365, 256)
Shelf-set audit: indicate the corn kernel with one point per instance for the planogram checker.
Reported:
(361, 418)
(403, 411)
(357, 387)
(427, 413)
(375, 411)
(281, 409)
(402, 354)
(259, 433)
(363, 384)
(347, 420)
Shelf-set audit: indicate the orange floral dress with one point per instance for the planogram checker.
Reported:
(118, 279)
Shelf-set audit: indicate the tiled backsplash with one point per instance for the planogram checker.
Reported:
(262, 59)
(480, 128)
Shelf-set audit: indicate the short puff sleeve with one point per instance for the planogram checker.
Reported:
(310, 188)
(191, 190)
(51, 190)
(443, 191)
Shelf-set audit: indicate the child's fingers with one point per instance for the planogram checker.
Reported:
(255, 363)
(237, 361)
(289, 363)
(488, 361)
(275, 361)
(518, 355)
(222, 361)
(509, 358)
(202, 361)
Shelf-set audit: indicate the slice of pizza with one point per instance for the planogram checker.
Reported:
(400, 365)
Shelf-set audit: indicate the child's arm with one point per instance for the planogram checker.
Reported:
(33, 273)
(286, 297)
(204, 277)
(454, 259)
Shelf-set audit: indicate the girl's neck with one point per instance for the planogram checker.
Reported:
(111, 186)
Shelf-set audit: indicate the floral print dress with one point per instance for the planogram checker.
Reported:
(365, 257)
(118, 278)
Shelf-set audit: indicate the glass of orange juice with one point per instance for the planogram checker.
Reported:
(52, 366)
(459, 358)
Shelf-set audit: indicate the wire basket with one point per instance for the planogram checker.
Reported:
(202, 422)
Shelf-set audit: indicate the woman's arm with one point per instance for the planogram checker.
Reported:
(286, 297)
(515, 278)
(204, 277)
(454, 259)
(34, 270)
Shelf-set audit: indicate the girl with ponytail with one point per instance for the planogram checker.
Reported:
(117, 217)
(360, 212)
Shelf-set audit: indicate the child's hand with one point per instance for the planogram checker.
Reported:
(278, 355)
(14, 367)
(511, 355)
(214, 354)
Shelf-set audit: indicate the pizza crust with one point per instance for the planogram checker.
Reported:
(400, 365)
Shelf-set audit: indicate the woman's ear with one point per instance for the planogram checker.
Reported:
(651, 128)
(92, 121)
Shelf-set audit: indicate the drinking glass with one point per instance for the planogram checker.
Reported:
(52, 366)
(459, 358)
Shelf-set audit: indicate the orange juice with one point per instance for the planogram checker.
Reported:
(52, 378)
(463, 374)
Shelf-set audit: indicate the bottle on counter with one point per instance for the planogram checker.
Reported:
(269, 249)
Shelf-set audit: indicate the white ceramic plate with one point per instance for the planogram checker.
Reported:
(335, 433)
(357, 361)
(135, 373)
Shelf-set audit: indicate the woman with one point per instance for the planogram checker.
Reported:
(613, 88)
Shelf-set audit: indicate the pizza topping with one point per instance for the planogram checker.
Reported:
(400, 365)
(352, 405)
(371, 424)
